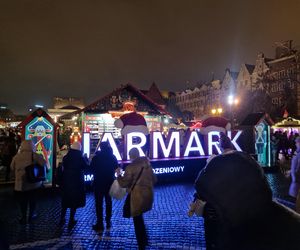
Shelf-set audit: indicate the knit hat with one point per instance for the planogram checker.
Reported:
(76, 145)
(132, 122)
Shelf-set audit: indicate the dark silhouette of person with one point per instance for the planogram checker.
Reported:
(235, 186)
(103, 166)
(72, 186)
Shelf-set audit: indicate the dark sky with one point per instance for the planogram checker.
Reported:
(87, 48)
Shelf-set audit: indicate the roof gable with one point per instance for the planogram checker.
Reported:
(250, 68)
(255, 118)
(116, 99)
(155, 95)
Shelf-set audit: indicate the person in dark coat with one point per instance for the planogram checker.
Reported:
(103, 167)
(9, 151)
(235, 185)
(73, 192)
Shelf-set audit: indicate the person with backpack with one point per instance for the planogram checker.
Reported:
(25, 191)
(103, 167)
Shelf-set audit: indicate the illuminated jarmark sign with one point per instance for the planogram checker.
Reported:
(170, 147)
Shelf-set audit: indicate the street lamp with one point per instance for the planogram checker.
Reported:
(232, 100)
(217, 111)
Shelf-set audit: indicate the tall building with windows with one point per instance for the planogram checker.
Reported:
(276, 80)
(206, 96)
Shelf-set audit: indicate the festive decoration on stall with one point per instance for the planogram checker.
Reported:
(132, 122)
(42, 130)
(288, 123)
(214, 123)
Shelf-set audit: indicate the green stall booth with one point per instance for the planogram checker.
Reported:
(256, 137)
(40, 128)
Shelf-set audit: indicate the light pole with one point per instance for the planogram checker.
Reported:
(217, 111)
(232, 101)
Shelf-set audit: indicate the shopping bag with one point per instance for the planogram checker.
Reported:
(116, 191)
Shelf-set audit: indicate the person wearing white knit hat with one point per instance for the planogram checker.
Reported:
(76, 145)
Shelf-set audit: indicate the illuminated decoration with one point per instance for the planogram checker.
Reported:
(97, 124)
(158, 171)
(170, 148)
(234, 140)
(168, 170)
(86, 144)
(88, 177)
(256, 137)
(288, 123)
(132, 122)
(75, 136)
(174, 142)
(128, 106)
(212, 143)
(41, 132)
(215, 123)
(189, 148)
(197, 125)
(130, 142)
(261, 143)
(109, 138)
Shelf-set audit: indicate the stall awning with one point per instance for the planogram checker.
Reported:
(288, 123)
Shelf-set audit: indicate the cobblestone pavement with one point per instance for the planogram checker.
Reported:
(168, 225)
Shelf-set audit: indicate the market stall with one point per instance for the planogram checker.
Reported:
(256, 137)
(42, 130)
(288, 124)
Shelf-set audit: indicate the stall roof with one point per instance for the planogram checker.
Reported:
(130, 88)
(288, 123)
(255, 118)
(37, 113)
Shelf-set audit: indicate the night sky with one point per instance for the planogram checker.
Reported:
(87, 48)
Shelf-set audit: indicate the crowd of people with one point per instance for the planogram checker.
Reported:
(284, 143)
(10, 141)
(239, 212)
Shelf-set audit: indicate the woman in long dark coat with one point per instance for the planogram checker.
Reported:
(73, 192)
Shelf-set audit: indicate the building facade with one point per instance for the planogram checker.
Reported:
(270, 85)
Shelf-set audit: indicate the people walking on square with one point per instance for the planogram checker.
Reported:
(295, 175)
(72, 186)
(103, 166)
(24, 190)
(139, 180)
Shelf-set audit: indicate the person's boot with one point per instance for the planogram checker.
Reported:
(22, 221)
(98, 227)
(32, 216)
(108, 224)
(72, 223)
(62, 221)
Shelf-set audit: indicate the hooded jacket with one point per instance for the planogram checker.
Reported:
(20, 161)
